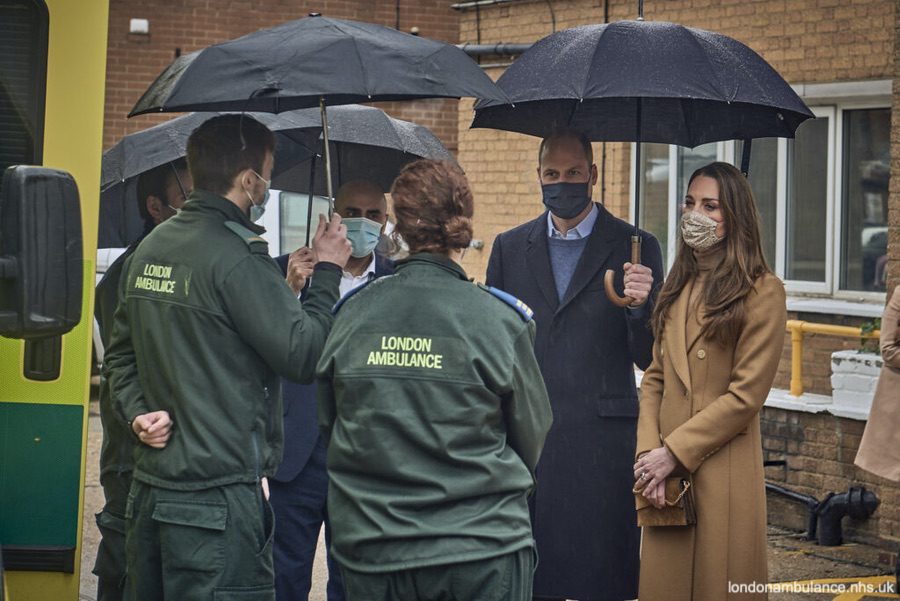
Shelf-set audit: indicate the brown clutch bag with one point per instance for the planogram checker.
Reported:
(679, 509)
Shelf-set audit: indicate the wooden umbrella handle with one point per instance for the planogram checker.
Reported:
(614, 298)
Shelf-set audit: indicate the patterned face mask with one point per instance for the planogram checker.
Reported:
(699, 231)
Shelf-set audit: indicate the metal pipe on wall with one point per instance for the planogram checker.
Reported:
(499, 49)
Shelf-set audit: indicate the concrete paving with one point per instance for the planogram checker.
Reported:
(835, 570)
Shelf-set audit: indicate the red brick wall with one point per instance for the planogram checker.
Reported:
(134, 61)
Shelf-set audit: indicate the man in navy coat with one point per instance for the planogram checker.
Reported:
(583, 512)
(299, 488)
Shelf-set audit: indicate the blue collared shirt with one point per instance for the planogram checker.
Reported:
(582, 230)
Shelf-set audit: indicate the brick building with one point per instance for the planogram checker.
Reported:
(183, 26)
(831, 214)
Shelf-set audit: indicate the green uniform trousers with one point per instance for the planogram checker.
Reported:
(504, 578)
(209, 545)
(110, 564)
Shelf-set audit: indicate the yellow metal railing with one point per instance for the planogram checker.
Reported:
(798, 328)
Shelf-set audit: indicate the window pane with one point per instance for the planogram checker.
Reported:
(655, 192)
(807, 214)
(294, 222)
(23, 67)
(764, 181)
(864, 202)
(689, 160)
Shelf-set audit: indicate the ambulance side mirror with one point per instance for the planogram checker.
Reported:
(41, 263)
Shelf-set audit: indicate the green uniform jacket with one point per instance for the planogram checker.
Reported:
(436, 413)
(118, 441)
(207, 324)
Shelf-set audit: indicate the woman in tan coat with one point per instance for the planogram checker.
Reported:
(719, 325)
(879, 451)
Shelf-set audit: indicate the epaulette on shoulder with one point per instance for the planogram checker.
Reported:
(256, 242)
(521, 308)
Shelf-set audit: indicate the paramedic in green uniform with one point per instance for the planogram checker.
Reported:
(435, 412)
(161, 192)
(205, 325)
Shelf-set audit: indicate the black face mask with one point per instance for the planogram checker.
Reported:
(566, 200)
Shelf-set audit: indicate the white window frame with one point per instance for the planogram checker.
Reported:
(803, 286)
(843, 294)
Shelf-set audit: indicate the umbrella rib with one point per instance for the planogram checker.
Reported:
(369, 90)
(751, 74)
(587, 76)
(693, 38)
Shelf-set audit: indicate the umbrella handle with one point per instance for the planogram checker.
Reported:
(614, 298)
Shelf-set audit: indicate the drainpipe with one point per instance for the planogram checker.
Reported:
(478, 4)
(499, 49)
(812, 504)
(858, 503)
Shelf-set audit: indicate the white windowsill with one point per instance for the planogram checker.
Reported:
(813, 403)
(830, 306)
(805, 403)
(841, 91)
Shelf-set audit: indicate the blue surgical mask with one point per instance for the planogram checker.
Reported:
(566, 200)
(257, 210)
(363, 235)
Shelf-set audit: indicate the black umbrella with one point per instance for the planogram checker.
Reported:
(365, 143)
(368, 143)
(642, 81)
(141, 151)
(313, 62)
(120, 223)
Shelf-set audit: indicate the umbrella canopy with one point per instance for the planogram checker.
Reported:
(141, 151)
(369, 144)
(644, 81)
(366, 143)
(298, 63)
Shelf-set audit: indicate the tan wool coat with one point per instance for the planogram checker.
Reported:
(879, 451)
(702, 399)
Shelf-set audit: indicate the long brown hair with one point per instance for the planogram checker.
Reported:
(732, 280)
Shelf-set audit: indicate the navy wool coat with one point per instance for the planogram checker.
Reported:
(582, 509)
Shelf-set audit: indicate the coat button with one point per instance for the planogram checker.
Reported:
(701, 354)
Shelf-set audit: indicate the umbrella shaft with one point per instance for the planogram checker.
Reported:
(309, 203)
(637, 172)
(327, 157)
